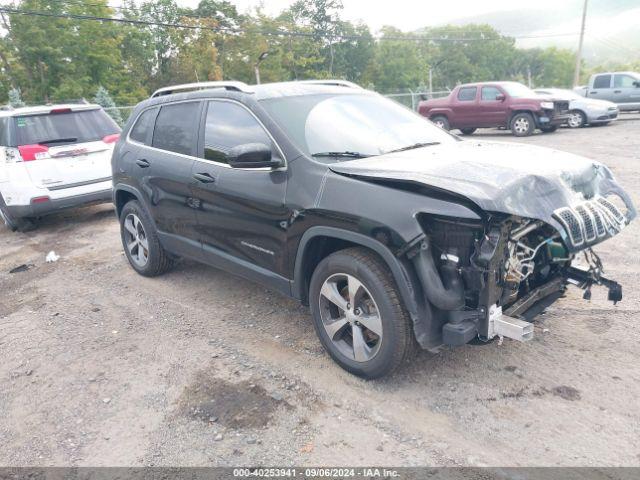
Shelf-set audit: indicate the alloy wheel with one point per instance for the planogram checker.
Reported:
(521, 125)
(350, 317)
(136, 240)
(575, 120)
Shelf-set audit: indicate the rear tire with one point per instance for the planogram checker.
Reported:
(359, 281)
(442, 122)
(522, 125)
(141, 243)
(467, 131)
(20, 224)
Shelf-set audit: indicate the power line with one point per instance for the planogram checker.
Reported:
(286, 33)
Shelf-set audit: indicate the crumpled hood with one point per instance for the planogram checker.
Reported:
(511, 178)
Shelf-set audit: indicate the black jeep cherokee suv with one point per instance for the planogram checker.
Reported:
(393, 231)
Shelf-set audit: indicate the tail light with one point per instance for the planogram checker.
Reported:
(37, 200)
(111, 138)
(33, 152)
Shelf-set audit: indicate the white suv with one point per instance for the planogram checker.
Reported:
(53, 157)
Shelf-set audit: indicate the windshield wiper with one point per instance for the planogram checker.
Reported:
(341, 154)
(58, 140)
(414, 146)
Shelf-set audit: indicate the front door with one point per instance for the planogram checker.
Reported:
(625, 89)
(491, 111)
(163, 170)
(241, 214)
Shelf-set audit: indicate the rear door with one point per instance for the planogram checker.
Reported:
(465, 108)
(601, 87)
(66, 147)
(162, 167)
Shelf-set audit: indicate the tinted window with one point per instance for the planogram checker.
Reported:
(175, 129)
(143, 126)
(467, 93)
(623, 81)
(489, 93)
(229, 125)
(602, 81)
(76, 127)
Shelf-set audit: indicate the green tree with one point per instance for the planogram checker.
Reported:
(103, 99)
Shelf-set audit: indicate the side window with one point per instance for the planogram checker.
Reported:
(490, 93)
(467, 94)
(623, 81)
(602, 81)
(143, 125)
(175, 129)
(229, 125)
(4, 132)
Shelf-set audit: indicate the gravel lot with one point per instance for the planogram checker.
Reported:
(101, 367)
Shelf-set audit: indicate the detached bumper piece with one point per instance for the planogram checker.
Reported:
(585, 279)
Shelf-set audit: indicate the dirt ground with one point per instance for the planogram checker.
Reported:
(102, 367)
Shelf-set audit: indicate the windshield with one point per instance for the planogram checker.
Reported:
(356, 124)
(66, 127)
(518, 90)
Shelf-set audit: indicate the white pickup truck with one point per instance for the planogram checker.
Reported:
(622, 88)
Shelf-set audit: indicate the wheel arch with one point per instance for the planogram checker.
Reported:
(318, 242)
(122, 194)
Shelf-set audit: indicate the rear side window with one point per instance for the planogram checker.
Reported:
(64, 127)
(602, 81)
(175, 129)
(144, 124)
(229, 125)
(467, 94)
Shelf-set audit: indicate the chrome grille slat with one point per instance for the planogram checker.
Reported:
(590, 220)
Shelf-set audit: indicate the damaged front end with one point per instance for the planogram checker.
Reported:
(491, 277)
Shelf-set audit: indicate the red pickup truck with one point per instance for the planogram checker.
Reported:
(509, 105)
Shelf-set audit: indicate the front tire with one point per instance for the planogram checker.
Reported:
(442, 122)
(577, 119)
(522, 125)
(140, 241)
(358, 313)
(549, 128)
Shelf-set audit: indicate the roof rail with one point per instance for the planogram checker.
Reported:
(335, 83)
(235, 86)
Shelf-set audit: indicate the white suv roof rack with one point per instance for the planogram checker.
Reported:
(236, 86)
(332, 82)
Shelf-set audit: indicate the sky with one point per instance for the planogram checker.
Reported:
(406, 15)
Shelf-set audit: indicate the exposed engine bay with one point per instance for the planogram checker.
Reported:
(490, 278)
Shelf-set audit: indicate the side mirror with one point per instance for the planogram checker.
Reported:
(636, 83)
(252, 155)
(500, 97)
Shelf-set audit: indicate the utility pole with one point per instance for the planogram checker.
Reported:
(262, 56)
(576, 75)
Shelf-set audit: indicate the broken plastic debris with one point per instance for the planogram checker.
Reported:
(52, 257)
(21, 268)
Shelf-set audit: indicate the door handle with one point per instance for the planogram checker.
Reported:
(617, 91)
(204, 178)
(592, 93)
(142, 163)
